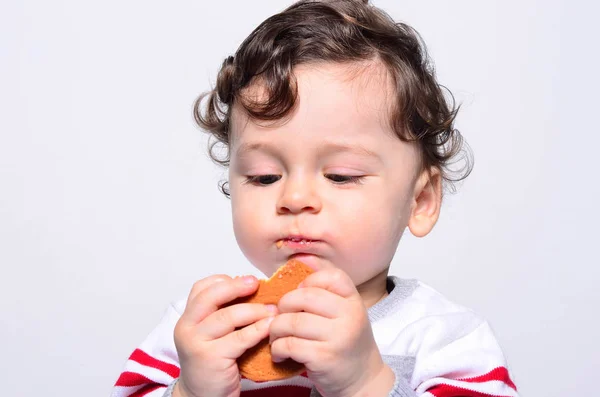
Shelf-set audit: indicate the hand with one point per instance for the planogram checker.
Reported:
(208, 340)
(324, 325)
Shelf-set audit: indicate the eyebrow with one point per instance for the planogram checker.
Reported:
(326, 149)
(357, 149)
(246, 148)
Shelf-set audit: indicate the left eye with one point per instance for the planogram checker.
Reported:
(263, 180)
(341, 179)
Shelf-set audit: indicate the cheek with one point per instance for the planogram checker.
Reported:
(373, 222)
(251, 225)
(245, 217)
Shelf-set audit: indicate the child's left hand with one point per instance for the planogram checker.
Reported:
(324, 325)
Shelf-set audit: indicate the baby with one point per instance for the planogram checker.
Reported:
(338, 138)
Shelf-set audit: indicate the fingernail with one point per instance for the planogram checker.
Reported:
(277, 359)
(249, 279)
(271, 308)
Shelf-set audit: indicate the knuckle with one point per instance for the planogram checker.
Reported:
(197, 284)
(290, 345)
(223, 316)
(310, 294)
(196, 287)
(244, 335)
(295, 323)
(220, 279)
(241, 335)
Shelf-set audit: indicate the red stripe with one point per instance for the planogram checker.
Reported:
(144, 358)
(499, 373)
(132, 379)
(444, 390)
(278, 391)
(146, 390)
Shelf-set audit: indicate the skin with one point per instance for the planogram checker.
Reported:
(335, 173)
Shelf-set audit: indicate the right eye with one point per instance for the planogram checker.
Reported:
(263, 180)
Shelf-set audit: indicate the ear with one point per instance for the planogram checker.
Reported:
(427, 199)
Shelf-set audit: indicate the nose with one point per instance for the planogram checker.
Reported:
(298, 195)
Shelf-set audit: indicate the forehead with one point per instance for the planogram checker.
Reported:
(336, 102)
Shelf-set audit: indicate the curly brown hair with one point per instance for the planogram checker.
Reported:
(339, 31)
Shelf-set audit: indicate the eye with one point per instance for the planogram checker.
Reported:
(263, 179)
(344, 179)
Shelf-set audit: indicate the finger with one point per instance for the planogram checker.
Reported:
(236, 343)
(201, 285)
(312, 300)
(211, 298)
(332, 279)
(226, 320)
(302, 325)
(301, 350)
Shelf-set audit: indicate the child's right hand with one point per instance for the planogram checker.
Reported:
(206, 338)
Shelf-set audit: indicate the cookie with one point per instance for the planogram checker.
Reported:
(256, 363)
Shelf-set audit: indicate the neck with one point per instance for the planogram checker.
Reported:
(374, 289)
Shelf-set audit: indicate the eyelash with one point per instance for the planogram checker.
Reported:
(348, 179)
(255, 179)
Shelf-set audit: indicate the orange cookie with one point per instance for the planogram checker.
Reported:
(256, 363)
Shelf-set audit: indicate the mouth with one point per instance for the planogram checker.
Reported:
(308, 250)
(295, 242)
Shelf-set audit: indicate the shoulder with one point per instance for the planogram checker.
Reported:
(416, 318)
(413, 299)
(448, 342)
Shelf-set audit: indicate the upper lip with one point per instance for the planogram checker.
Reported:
(299, 237)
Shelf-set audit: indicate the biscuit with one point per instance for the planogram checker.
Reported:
(256, 363)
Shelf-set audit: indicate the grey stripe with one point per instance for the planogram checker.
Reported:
(403, 366)
(402, 290)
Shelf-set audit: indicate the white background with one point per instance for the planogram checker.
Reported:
(109, 208)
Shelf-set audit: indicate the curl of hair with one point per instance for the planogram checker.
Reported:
(338, 31)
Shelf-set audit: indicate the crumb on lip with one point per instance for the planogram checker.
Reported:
(279, 244)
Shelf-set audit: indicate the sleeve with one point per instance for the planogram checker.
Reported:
(461, 358)
(152, 368)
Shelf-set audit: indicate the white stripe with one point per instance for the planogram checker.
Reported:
(157, 393)
(120, 391)
(153, 374)
(492, 387)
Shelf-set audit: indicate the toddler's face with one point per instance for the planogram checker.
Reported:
(334, 186)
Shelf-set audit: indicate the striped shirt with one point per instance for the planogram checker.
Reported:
(435, 347)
